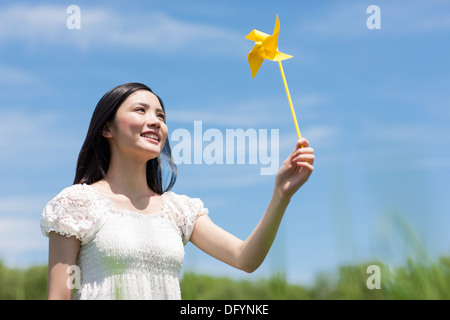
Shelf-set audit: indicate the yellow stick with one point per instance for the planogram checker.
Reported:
(290, 101)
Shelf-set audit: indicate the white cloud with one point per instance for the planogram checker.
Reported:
(409, 133)
(20, 237)
(19, 205)
(385, 147)
(310, 100)
(10, 75)
(32, 23)
(251, 113)
(15, 81)
(348, 20)
(102, 28)
(21, 240)
(322, 135)
(24, 137)
(244, 114)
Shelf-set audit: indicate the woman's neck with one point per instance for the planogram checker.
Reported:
(128, 176)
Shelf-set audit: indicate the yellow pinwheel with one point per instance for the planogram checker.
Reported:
(266, 47)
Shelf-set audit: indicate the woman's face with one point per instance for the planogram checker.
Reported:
(139, 128)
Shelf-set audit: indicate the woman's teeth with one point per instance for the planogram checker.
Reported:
(151, 136)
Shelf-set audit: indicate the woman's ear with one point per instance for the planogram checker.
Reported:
(106, 132)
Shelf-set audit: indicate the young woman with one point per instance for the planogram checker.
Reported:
(122, 229)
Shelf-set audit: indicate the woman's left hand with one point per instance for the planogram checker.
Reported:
(295, 170)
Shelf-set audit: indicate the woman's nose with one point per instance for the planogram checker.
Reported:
(153, 121)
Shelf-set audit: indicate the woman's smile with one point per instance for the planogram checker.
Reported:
(151, 136)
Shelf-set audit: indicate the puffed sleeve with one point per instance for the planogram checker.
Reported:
(185, 211)
(70, 213)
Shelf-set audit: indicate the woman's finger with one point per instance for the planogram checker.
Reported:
(306, 165)
(302, 143)
(304, 158)
(302, 150)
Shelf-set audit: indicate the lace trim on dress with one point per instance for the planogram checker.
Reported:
(110, 205)
(80, 210)
(73, 212)
(184, 211)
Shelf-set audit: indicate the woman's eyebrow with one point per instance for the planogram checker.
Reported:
(146, 105)
(141, 104)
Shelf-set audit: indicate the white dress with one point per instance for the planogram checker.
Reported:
(124, 254)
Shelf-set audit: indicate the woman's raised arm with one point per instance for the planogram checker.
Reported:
(249, 254)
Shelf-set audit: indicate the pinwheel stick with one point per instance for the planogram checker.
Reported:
(289, 98)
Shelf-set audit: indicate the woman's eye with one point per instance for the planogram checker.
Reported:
(162, 116)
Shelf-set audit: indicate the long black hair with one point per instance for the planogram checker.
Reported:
(93, 160)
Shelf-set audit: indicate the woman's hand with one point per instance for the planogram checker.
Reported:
(295, 170)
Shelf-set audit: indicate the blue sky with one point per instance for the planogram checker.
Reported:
(375, 105)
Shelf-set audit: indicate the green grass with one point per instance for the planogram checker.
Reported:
(414, 280)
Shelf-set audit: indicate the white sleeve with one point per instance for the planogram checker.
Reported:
(70, 214)
(185, 212)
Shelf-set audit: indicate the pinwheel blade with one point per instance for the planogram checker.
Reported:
(256, 36)
(255, 62)
(279, 56)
